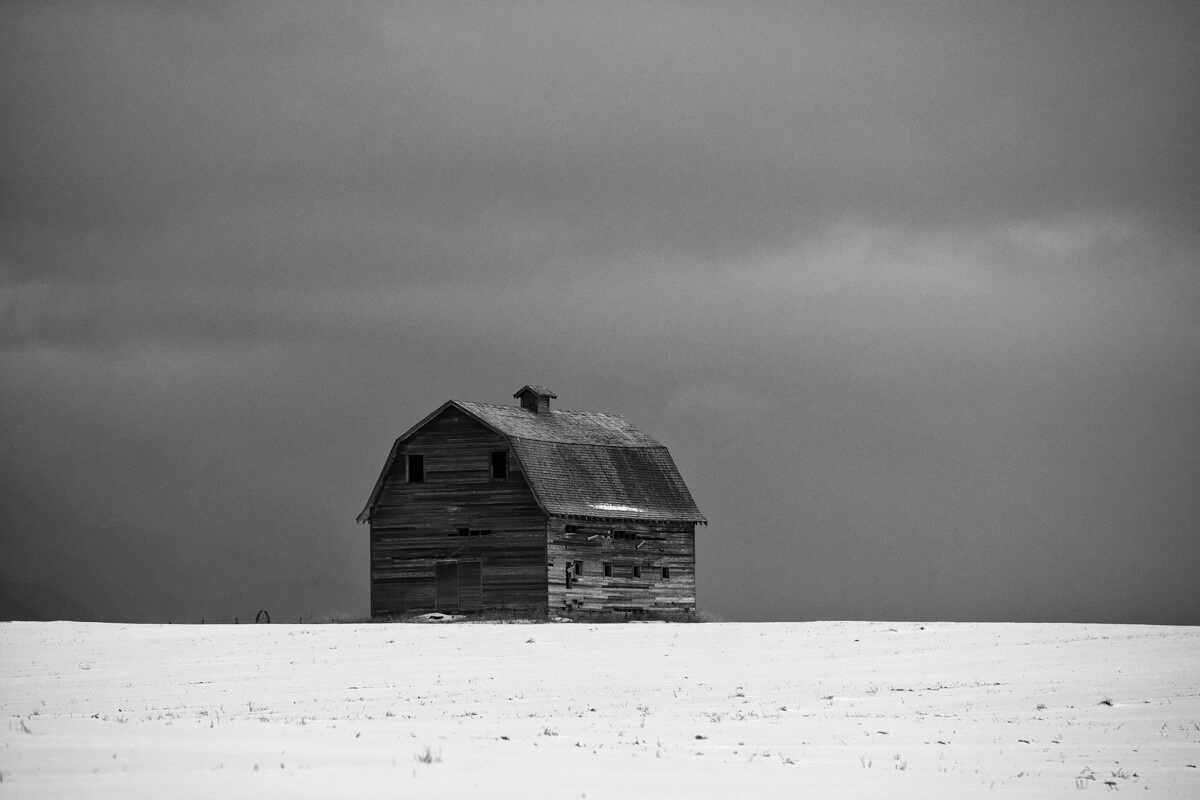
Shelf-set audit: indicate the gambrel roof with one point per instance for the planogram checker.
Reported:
(580, 463)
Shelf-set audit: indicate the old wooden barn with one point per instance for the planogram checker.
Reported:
(483, 506)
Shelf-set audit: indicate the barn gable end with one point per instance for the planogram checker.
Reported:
(456, 524)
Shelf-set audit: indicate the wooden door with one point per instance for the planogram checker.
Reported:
(446, 580)
(470, 586)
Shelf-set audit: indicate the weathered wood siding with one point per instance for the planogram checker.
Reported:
(669, 544)
(412, 523)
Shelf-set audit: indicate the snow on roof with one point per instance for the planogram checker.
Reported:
(614, 507)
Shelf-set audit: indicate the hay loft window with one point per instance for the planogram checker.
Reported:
(626, 535)
(608, 570)
(666, 573)
(500, 465)
(572, 528)
(416, 468)
(471, 532)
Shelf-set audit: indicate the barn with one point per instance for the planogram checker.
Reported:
(524, 507)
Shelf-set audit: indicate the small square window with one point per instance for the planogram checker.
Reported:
(500, 465)
(578, 567)
(608, 570)
(416, 468)
(666, 573)
(637, 572)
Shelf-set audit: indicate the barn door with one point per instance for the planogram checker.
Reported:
(470, 586)
(446, 579)
(459, 586)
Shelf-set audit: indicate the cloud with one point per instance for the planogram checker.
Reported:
(426, 131)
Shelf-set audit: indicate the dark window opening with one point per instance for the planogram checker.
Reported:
(628, 535)
(666, 573)
(416, 468)
(637, 572)
(572, 529)
(500, 465)
(570, 581)
(608, 570)
(471, 532)
(578, 567)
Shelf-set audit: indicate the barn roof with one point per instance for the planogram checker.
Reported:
(581, 464)
(560, 425)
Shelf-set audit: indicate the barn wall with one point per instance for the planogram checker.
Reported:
(671, 545)
(412, 523)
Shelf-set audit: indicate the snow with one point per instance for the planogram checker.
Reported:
(834, 709)
(614, 507)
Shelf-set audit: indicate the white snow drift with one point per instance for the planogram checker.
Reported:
(607, 711)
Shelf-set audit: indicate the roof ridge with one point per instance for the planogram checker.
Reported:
(551, 411)
(622, 446)
(560, 426)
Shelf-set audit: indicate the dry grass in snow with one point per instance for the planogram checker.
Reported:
(837, 709)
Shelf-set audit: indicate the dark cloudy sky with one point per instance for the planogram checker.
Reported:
(911, 290)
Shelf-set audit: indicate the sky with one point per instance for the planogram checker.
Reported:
(910, 290)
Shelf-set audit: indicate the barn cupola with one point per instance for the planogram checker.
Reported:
(535, 398)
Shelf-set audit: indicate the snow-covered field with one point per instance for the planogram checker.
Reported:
(836, 709)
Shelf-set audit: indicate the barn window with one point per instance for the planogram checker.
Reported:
(608, 570)
(637, 572)
(416, 468)
(666, 572)
(578, 567)
(571, 528)
(500, 465)
(462, 532)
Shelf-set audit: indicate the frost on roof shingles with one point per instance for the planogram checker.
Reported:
(614, 507)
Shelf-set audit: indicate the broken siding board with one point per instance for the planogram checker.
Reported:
(668, 544)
